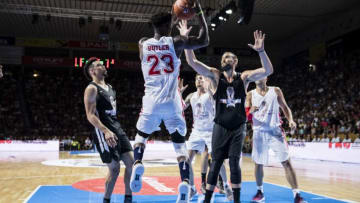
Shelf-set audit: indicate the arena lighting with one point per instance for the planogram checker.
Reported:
(246, 8)
(213, 25)
(79, 62)
(229, 11)
(221, 18)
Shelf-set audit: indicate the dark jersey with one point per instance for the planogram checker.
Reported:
(230, 103)
(106, 108)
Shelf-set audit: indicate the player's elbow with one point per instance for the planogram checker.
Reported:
(269, 70)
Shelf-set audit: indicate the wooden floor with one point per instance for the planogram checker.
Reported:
(19, 179)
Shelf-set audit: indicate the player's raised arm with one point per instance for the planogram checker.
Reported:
(266, 69)
(194, 42)
(285, 108)
(212, 73)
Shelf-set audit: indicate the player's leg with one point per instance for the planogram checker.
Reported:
(113, 173)
(226, 187)
(176, 126)
(184, 167)
(193, 192)
(204, 168)
(146, 124)
(260, 157)
(278, 144)
(236, 144)
(128, 159)
(219, 153)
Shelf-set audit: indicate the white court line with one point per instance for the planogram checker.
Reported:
(344, 200)
(31, 194)
(30, 177)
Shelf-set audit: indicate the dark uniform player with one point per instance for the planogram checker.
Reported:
(111, 141)
(228, 88)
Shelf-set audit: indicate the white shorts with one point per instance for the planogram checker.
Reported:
(149, 123)
(198, 140)
(263, 141)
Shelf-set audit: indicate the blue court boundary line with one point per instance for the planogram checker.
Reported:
(344, 200)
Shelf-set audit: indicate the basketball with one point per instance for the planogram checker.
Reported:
(184, 9)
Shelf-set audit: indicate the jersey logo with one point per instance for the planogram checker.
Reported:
(230, 101)
(112, 112)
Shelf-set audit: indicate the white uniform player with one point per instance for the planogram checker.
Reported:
(203, 109)
(162, 100)
(265, 103)
(267, 132)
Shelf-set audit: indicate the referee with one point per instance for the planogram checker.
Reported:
(229, 91)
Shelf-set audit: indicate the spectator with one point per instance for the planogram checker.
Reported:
(325, 139)
(346, 139)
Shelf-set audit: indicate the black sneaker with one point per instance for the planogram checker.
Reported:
(259, 197)
(299, 199)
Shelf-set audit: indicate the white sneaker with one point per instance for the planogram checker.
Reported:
(136, 177)
(229, 193)
(184, 192)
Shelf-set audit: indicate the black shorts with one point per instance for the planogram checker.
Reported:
(108, 153)
(226, 143)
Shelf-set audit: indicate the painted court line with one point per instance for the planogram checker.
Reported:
(31, 194)
(345, 200)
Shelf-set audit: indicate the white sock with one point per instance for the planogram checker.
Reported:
(261, 188)
(295, 191)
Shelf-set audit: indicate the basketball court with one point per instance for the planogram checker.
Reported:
(79, 177)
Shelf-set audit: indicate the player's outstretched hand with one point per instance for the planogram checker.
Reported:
(110, 138)
(181, 86)
(183, 28)
(259, 41)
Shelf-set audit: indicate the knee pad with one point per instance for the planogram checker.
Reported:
(235, 172)
(141, 137)
(180, 150)
(176, 137)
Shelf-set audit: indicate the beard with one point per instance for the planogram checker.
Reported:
(105, 74)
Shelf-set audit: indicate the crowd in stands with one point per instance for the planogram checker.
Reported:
(324, 98)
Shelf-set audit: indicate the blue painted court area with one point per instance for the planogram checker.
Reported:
(68, 194)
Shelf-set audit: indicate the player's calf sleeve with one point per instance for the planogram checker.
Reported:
(235, 172)
(139, 153)
(140, 141)
(184, 170)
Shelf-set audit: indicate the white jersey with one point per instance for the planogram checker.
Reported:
(203, 108)
(268, 115)
(161, 66)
